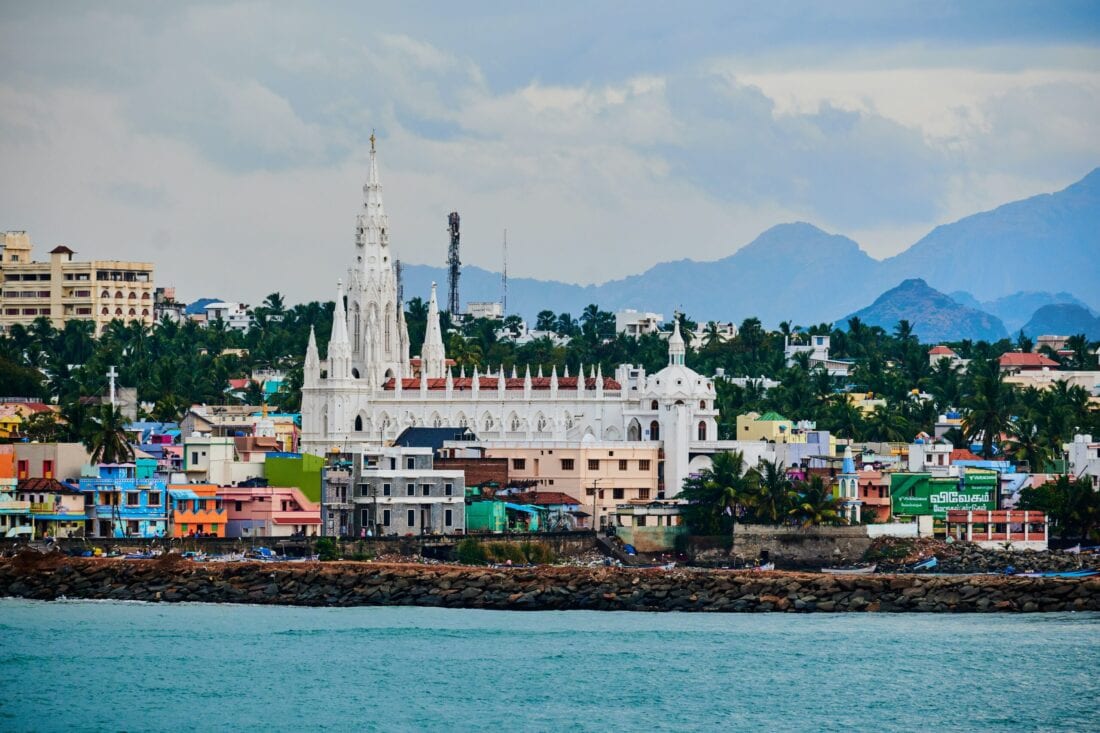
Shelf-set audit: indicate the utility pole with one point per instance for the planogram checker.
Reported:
(454, 265)
(112, 373)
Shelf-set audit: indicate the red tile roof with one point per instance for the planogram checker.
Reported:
(1026, 359)
(45, 485)
(511, 383)
(962, 454)
(941, 350)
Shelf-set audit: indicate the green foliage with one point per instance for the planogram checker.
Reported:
(1071, 505)
(471, 552)
(326, 549)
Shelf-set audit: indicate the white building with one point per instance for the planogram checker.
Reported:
(818, 349)
(364, 392)
(235, 315)
(635, 323)
(1083, 458)
(493, 310)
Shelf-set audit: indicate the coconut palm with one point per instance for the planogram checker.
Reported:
(106, 439)
(987, 405)
(773, 494)
(715, 495)
(815, 504)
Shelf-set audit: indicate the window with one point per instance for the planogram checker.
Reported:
(386, 517)
(385, 489)
(702, 404)
(133, 498)
(643, 465)
(364, 519)
(154, 498)
(47, 469)
(643, 493)
(640, 521)
(702, 430)
(653, 405)
(567, 464)
(238, 506)
(622, 464)
(448, 489)
(618, 493)
(519, 464)
(425, 489)
(593, 465)
(410, 489)
(589, 492)
(448, 518)
(654, 430)
(411, 517)
(194, 457)
(409, 463)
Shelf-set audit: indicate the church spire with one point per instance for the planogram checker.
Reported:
(371, 232)
(339, 349)
(311, 370)
(433, 357)
(676, 348)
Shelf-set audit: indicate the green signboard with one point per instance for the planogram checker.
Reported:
(919, 494)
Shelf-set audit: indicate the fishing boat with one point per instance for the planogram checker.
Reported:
(1060, 574)
(930, 564)
(765, 567)
(851, 570)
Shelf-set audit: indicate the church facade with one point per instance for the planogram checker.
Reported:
(367, 390)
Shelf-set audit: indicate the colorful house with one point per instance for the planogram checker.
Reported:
(196, 509)
(269, 511)
(15, 513)
(56, 509)
(119, 503)
(771, 426)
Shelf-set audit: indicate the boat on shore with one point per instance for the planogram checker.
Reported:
(851, 570)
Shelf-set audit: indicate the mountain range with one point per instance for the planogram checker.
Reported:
(934, 317)
(1042, 245)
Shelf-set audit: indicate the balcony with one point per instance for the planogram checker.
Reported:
(14, 507)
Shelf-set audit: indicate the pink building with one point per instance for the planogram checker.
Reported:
(269, 511)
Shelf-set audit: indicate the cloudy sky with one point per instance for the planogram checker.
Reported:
(227, 142)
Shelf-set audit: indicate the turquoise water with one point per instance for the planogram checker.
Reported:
(130, 666)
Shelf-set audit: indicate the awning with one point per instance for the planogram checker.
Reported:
(295, 520)
(521, 508)
(183, 494)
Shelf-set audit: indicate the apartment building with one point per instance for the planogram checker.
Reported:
(63, 289)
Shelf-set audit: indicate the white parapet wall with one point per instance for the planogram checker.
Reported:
(893, 529)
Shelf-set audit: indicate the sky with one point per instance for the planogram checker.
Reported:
(227, 143)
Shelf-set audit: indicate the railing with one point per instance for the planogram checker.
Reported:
(15, 506)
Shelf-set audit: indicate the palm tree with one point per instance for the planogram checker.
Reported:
(715, 495)
(107, 440)
(1025, 444)
(987, 404)
(773, 494)
(889, 425)
(815, 504)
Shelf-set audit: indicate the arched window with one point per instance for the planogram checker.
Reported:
(106, 311)
(702, 430)
(118, 311)
(133, 312)
(358, 423)
(702, 404)
(105, 294)
(634, 431)
(653, 405)
(133, 295)
(118, 293)
(145, 296)
(144, 311)
(654, 430)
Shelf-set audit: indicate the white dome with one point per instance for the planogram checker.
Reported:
(679, 381)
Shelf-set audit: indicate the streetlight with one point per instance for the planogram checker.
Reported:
(595, 493)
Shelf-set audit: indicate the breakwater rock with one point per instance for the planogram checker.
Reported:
(538, 588)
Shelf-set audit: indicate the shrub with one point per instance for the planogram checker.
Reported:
(470, 552)
(326, 549)
(537, 553)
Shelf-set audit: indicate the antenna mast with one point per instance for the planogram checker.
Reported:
(454, 266)
(504, 278)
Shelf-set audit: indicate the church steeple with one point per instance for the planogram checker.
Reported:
(433, 357)
(339, 349)
(372, 241)
(676, 349)
(311, 369)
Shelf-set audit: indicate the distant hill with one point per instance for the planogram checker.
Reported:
(1046, 242)
(934, 316)
(1007, 261)
(1016, 309)
(1063, 320)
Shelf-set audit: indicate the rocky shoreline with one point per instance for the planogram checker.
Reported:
(173, 579)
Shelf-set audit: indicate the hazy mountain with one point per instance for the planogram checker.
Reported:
(1016, 309)
(1007, 261)
(1063, 320)
(934, 316)
(1046, 242)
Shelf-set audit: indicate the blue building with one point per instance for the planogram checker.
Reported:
(119, 503)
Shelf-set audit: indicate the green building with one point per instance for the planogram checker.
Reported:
(302, 470)
(486, 516)
(921, 494)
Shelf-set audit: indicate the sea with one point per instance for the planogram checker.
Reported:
(107, 666)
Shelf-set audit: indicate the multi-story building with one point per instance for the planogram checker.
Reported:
(1083, 458)
(634, 323)
(196, 511)
(602, 474)
(233, 315)
(268, 511)
(15, 513)
(120, 501)
(50, 460)
(63, 289)
(56, 509)
(398, 491)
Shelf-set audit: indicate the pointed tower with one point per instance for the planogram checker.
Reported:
(848, 488)
(433, 359)
(676, 349)
(339, 350)
(311, 369)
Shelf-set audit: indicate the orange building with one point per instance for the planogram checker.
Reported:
(196, 510)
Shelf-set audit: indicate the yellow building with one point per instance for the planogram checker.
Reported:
(601, 475)
(62, 289)
(865, 401)
(771, 426)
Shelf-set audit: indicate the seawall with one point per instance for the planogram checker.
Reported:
(542, 588)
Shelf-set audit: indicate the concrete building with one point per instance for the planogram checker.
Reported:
(235, 316)
(268, 511)
(1083, 459)
(492, 310)
(214, 460)
(398, 491)
(63, 461)
(56, 509)
(933, 458)
(602, 474)
(121, 501)
(636, 323)
(817, 346)
(63, 289)
(771, 427)
(196, 510)
(649, 527)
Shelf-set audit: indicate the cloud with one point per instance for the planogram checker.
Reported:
(228, 142)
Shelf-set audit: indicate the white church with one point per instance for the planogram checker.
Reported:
(368, 390)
